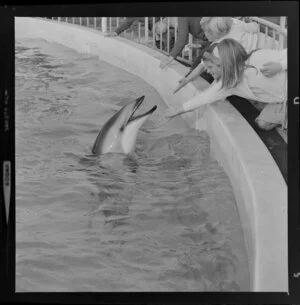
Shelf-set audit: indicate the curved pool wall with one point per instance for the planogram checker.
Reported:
(260, 190)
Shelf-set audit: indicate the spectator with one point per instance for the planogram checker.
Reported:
(160, 30)
(186, 25)
(216, 29)
(128, 23)
(259, 76)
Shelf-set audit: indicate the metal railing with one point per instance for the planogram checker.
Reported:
(271, 35)
(162, 35)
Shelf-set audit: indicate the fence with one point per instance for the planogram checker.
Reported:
(161, 33)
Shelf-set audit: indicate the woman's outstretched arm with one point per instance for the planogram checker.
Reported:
(212, 94)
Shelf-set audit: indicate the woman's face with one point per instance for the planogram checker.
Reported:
(210, 35)
(213, 69)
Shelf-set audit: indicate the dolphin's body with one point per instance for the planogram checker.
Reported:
(119, 133)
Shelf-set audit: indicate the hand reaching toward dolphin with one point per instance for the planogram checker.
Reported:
(181, 83)
(170, 113)
(166, 62)
(113, 34)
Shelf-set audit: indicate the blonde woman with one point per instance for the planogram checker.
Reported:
(260, 75)
(216, 29)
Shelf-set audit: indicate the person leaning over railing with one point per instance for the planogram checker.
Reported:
(260, 75)
(128, 23)
(217, 29)
(186, 26)
(161, 28)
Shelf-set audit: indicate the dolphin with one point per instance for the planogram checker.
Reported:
(119, 133)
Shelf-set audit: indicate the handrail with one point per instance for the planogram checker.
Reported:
(270, 24)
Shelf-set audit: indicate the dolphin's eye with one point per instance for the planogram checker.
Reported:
(122, 128)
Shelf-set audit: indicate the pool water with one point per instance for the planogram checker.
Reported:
(161, 219)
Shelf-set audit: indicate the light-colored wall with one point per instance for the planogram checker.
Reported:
(259, 187)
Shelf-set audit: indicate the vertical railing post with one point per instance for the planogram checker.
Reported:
(80, 20)
(95, 22)
(161, 21)
(104, 24)
(266, 36)
(73, 20)
(168, 34)
(175, 29)
(139, 32)
(153, 31)
(58, 19)
(118, 21)
(282, 27)
(110, 24)
(190, 49)
(147, 28)
(87, 21)
(276, 45)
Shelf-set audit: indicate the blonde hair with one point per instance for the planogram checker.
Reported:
(219, 26)
(232, 61)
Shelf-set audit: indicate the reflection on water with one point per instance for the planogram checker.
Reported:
(161, 219)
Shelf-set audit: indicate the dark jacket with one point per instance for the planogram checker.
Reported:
(187, 25)
(130, 20)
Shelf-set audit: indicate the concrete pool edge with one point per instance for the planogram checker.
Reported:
(253, 172)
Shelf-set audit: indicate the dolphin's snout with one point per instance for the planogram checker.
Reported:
(140, 99)
(138, 102)
(152, 109)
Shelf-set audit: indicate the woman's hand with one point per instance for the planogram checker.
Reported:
(168, 114)
(171, 113)
(181, 83)
(182, 80)
(271, 68)
(165, 62)
(113, 34)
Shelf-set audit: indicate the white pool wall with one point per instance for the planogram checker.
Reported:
(259, 187)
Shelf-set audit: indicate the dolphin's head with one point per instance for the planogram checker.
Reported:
(120, 131)
(131, 127)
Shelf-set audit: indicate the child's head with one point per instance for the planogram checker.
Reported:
(216, 27)
(227, 63)
(212, 65)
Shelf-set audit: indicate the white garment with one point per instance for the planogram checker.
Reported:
(254, 85)
(245, 33)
